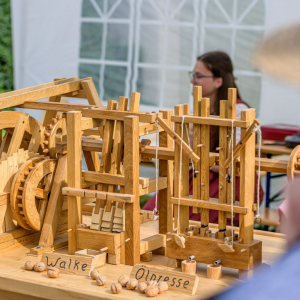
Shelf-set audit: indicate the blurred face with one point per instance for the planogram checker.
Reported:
(204, 77)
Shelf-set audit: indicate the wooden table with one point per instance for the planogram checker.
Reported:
(17, 283)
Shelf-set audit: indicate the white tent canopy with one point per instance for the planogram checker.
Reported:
(149, 46)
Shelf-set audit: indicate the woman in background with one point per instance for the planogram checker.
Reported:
(214, 72)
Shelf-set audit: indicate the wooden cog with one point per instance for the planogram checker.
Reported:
(294, 163)
(36, 189)
(17, 189)
(56, 132)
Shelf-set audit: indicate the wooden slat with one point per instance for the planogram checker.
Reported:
(37, 138)
(100, 113)
(215, 121)
(247, 170)
(40, 92)
(211, 203)
(162, 184)
(131, 171)
(74, 176)
(166, 170)
(91, 92)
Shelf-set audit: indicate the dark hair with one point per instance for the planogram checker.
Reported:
(220, 64)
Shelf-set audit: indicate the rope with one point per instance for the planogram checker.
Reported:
(180, 167)
(257, 129)
(156, 169)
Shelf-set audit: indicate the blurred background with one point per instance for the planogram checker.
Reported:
(149, 46)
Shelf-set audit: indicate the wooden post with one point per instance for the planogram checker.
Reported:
(197, 96)
(204, 162)
(74, 176)
(131, 171)
(166, 170)
(247, 184)
(55, 203)
(222, 171)
(184, 184)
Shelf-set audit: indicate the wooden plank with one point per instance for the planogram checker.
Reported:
(210, 204)
(185, 147)
(247, 170)
(161, 185)
(74, 176)
(18, 134)
(110, 179)
(91, 92)
(204, 163)
(145, 128)
(131, 171)
(223, 152)
(165, 171)
(197, 96)
(55, 203)
(40, 92)
(100, 113)
(183, 210)
(211, 120)
(178, 282)
(164, 153)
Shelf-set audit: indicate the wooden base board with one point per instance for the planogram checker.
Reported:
(206, 250)
(58, 244)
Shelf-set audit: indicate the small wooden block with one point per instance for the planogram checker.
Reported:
(114, 259)
(146, 256)
(178, 282)
(208, 233)
(226, 248)
(95, 227)
(203, 231)
(196, 230)
(73, 264)
(174, 263)
(190, 233)
(179, 240)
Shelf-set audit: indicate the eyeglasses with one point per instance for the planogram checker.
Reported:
(196, 77)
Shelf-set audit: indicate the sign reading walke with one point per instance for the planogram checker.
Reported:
(178, 282)
(73, 264)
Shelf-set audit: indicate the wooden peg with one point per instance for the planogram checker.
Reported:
(200, 145)
(214, 272)
(226, 248)
(168, 240)
(103, 249)
(127, 240)
(188, 266)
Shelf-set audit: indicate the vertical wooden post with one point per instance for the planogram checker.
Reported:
(166, 170)
(231, 115)
(222, 171)
(247, 173)
(74, 176)
(197, 96)
(184, 184)
(204, 161)
(131, 171)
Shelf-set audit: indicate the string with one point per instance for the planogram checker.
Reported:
(180, 164)
(256, 128)
(156, 169)
(231, 179)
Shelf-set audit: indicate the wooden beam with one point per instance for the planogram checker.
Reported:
(74, 176)
(131, 171)
(91, 92)
(100, 113)
(215, 121)
(211, 203)
(161, 184)
(39, 92)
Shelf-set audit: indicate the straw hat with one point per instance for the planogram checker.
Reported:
(279, 54)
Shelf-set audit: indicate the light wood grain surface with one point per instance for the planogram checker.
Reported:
(18, 283)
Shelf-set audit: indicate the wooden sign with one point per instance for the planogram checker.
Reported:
(74, 264)
(177, 281)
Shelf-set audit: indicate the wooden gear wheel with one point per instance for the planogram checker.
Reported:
(294, 163)
(56, 132)
(29, 191)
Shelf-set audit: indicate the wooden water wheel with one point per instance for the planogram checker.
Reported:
(294, 164)
(29, 192)
(56, 132)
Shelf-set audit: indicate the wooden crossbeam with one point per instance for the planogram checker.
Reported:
(39, 92)
(212, 120)
(100, 113)
(209, 204)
